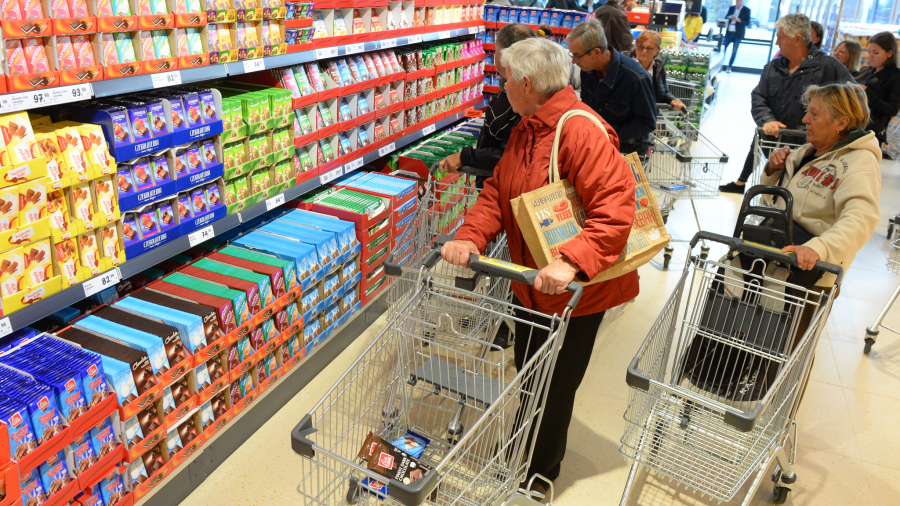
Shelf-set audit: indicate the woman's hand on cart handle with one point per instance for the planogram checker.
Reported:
(677, 104)
(527, 275)
(777, 160)
(458, 252)
(555, 277)
(451, 163)
(806, 257)
(773, 128)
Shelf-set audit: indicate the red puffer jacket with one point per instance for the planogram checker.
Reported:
(603, 181)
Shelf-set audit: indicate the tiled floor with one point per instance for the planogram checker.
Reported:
(849, 442)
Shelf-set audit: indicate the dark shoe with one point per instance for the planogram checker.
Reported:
(728, 69)
(732, 188)
(503, 337)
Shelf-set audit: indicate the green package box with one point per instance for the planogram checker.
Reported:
(241, 188)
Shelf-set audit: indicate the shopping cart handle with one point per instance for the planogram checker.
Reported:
(300, 442)
(393, 269)
(785, 132)
(511, 271)
(765, 252)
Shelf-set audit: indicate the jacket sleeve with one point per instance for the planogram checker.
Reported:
(483, 220)
(643, 108)
(856, 208)
(606, 187)
(886, 107)
(745, 17)
(664, 96)
(759, 102)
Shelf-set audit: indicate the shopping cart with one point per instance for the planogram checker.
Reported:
(893, 266)
(407, 382)
(682, 163)
(764, 145)
(690, 94)
(716, 384)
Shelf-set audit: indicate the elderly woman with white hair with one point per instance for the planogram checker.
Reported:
(538, 89)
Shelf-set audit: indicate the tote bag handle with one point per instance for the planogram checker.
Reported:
(553, 172)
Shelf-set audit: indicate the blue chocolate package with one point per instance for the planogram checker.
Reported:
(94, 499)
(54, 474)
(21, 435)
(157, 115)
(112, 488)
(83, 455)
(193, 110)
(178, 114)
(412, 444)
(32, 490)
(103, 439)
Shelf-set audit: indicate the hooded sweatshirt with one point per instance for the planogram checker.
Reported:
(835, 197)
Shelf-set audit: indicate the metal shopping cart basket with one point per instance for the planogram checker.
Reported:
(764, 145)
(893, 265)
(716, 383)
(683, 163)
(405, 382)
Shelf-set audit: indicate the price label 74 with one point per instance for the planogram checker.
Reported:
(205, 233)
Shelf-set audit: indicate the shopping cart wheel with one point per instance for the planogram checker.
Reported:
(868, 347)
(665, 216)
(781, 494)
(871, 335)
(704, 252)
(667, 256)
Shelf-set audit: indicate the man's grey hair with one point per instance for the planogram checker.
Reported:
(591, 34)
(512, 33)
(544, 62)
(795, 24)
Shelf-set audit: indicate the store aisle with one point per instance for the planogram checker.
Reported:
(849, 448)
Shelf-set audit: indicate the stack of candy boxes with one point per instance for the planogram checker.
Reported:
(169, 171)
(59, 212)
(258, 144)
(382, 210)
(51, 43)
(244, 29)
(346, 107)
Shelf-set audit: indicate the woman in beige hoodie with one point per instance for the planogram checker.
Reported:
(835, 178)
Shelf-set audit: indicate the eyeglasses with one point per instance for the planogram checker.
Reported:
(580, 56)
(646, 48)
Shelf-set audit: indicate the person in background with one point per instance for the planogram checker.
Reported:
(817, 34)
(776, 102)
(646, 50)
(848, 52)
(693, 27)
(546, 31)
(499, 118)
(570, 5)
(615, 24)
(882, 82)
(615, 86)
(738, 18)
(538, 90)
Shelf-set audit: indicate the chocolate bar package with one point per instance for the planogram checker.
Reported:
(207, 314)
(103, 438)
(54, 474)
(392, 462)
(21, 435)
(82, 453)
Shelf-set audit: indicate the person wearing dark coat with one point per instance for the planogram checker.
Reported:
(882, 83)
(738, 18)
(646, 49)
(615, 24)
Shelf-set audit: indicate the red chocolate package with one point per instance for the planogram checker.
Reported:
(36, 56)
(84, 53)
(392, 462)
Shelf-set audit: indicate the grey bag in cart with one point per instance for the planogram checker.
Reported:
(423, 374)
(704, 428)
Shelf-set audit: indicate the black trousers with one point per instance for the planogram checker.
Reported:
(571, 364)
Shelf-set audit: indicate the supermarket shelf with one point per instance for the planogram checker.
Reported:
(69, 296)
(290, 59)
(190, 474)
(110, 87)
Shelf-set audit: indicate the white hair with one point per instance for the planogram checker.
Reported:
(544, 62)
(795, 24)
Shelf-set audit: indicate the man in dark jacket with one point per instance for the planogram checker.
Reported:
(776, 102)
(738, 18)
(615, 24)
(499, 118)
(615, 86)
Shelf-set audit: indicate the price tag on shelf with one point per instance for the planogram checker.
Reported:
(354, 48)
(101, 282)
(75, 93)
(385, 44)
(5, 327)
(274, 202)
(163, 79)
(195, 238)
(428, 130)
(444, 35)
(473, 29)
(480, 28)
(386, 149)
(326, 52)
(353, 165)
(41, 98)
(414, 39)
(331, 175)
(254, 65)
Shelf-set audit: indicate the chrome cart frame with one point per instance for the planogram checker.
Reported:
(893, 265)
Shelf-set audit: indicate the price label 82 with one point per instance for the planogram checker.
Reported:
(101, 282)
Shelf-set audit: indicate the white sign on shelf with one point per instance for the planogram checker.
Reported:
(444, 35)
(5, 327)
(428, 130)
(480, 28)
(41, 98)
(389, 148)
(473, 29)
(196, 237)
(353, 165)
(101, 282)
(331, 175)
(254, 65)
(414, 39)
(385, 44)
(326, 52)
(354, 48)
(163, 79)
(274, 202)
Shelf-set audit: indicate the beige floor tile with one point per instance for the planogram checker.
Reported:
(884, 483)
(824, 368)
(849, 318)
(869, 285)
(225, 490)
(876, 373)
(875, 423)
(823, 421)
